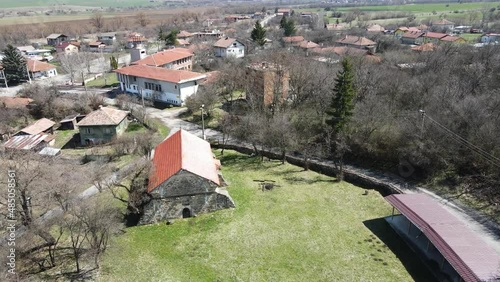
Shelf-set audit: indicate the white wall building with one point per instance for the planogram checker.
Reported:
(159, 84)
(229, 47)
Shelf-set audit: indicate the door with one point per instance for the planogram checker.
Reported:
(186, 213)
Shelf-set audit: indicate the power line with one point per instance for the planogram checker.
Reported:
(487, 156)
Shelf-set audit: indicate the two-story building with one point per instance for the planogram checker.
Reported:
(56, 38)
(66, 48)
(357, 42)
(175, 59)
(107, 38)
(229, 47)
(102, 125)
(135, 40)
(159, 84)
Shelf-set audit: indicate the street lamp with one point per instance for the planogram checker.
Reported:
(202, 108)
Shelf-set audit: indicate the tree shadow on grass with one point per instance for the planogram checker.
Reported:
(410, 260)
(303, 180)
(245, 162)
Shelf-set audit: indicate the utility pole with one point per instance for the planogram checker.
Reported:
(422, 113)
(202, 108)
(5, 79)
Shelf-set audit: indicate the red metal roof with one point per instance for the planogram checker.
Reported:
(160, 74)
(466, 252)
(165, 57)
(27, 142)
(182, 151)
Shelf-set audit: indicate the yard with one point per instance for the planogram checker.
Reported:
(308, 228)
(107, 80)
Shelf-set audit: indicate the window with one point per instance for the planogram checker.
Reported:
(152, 86)
(107, 130)
(175, 86)
(134, 78)
(87, 130)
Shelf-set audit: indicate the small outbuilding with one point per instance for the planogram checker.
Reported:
(185, 180)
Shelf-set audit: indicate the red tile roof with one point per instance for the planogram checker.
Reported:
(161, 74)
(182, 151)
(412, 34)
(136, 37)
(449, 38)
(164, 57)
(425, 47)
(466, 252)
(340, 50)
(293, 39)
(14, 102)
(437, 35)
(356, 40)
(184, 34)
(38, 126)
(308, 44)
(36, 66)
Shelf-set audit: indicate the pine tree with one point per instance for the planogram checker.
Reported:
(14, 64)
(259, 34)
(342, 105)
(171, 38)
(288, 26)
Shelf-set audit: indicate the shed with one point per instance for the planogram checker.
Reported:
(42, 125)
(70, 122)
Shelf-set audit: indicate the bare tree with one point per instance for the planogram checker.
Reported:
(78, 233)
(142, 19)
(97, 20)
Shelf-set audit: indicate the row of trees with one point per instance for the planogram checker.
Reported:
(369, 113)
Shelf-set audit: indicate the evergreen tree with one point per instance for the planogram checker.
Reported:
(171, 38)
(14, 64)
(113, 63)
(259, 34)
(162, 35)
(288, 26)
(342, 105)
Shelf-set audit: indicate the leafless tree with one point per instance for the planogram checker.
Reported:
(142, 19)
(97, 20)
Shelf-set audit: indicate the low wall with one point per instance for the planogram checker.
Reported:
(324, 167)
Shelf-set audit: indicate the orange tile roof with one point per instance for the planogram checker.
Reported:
(36, 66)
(165, 57)
(184, 34)
(425, 47)
(293, 39)
(356, 40)
(451, 38)
(136, 37)
(224, 42)
(104, 116)
(14, 102)
(413, 34)
(340, 50)
(182, 151)
(183, 42)
(437, 35)
(308, 44)
(161, 74)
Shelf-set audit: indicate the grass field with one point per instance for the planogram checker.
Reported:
(310, 228)
(417, 8)
(108, 80)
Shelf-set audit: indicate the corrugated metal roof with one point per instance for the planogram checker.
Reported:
(182, 151)
(25, 142)
(466, 252)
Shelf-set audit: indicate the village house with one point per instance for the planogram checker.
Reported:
(335, 54)
(159, 84)
(453, 39)
(208, 35)
(184, 181)
(14, 102)
(174, 59)
(54, 39)
(306, 45)
(135, 40)
(443, 24)
(70, 122)
(96, 46)
(335, 27)
(67, 48)
(433, 37)
(293, 40)
(270, 84)
(107, 38)
(235, 18)
(102, 125)
(427, 47)
(412, 37)
(357, 42)
(286, 12)
(306, 15)
(376, 28)
(491, 38)
(229, 47)
(38, 69)
(184, 35)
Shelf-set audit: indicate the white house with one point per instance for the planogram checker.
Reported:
(38, 69)
(229, 47)
(159, 84)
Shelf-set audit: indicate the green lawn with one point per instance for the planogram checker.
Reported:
(310, 228)
(63, 136)
(471, 37)
(425, 8)
(107, 80)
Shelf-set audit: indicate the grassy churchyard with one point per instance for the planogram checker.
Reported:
(309, 228)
